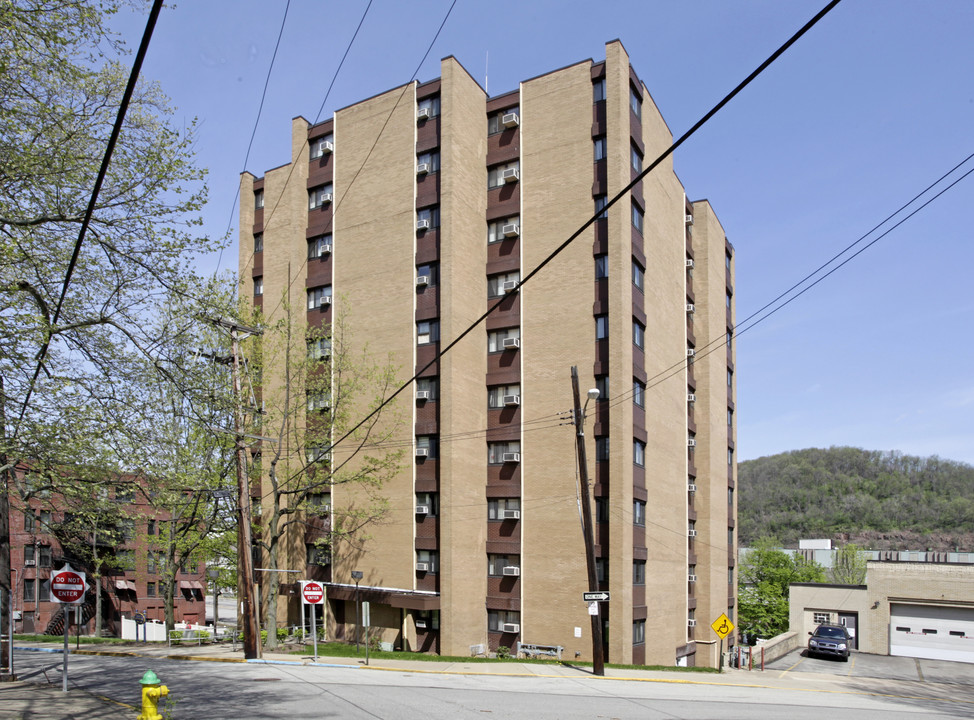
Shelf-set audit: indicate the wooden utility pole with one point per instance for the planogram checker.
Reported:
(588, 527)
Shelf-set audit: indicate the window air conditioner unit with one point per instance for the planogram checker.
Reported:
(510, 515)
(510, 230)
(691, 442)
(511, 175)
(511, 457)
(512, 627)
(420, 624)
(510, 120)
(691, 487)
(691, 308)
(422, 168)
(689, 263)
(691, 533)
(422, 224)
(422, 280)
(422, 510)
(423, 113)
(691, 352)
(512, 571)
(324, 249)
(512, 400)
(689, 219)
(422, 394)
(422, 452)
(325, 301)
(30, 563)
(510, 343)
(422, 567)
(509, 286)
(327, 147)
(691, 397)
(691, 578)
(326, 198)
(691, 622)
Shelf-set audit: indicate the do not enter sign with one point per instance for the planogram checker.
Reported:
(68, 586)
(312, 593)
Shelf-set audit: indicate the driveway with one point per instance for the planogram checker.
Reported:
(881, 667)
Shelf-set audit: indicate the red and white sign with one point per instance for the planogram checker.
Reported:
(312, 593)
(68, 586)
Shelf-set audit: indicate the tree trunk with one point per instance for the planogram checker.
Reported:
(97, 578)
(6, 486)
(271, 584)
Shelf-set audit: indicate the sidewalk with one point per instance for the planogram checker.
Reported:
(34, 701)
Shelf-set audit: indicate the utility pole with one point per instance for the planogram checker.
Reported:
(588, 525)
(245, 560)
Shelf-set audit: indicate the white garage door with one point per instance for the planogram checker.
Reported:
(932, 631)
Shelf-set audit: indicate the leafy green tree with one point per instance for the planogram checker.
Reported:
(849, 566)
(764, 577)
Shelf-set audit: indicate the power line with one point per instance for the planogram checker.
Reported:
(639, 177)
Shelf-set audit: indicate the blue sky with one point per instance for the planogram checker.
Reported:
(869, 108)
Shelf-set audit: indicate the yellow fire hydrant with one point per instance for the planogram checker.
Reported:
(152, 691)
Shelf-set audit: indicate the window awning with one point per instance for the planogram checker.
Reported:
(190, 585)
(125, 585)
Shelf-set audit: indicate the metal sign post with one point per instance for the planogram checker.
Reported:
(313, 593)
(723, 627)
(68, 588)
(366, 623)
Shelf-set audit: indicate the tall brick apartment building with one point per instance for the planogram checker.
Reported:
(420, 206)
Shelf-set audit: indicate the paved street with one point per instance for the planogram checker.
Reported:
(410, 689)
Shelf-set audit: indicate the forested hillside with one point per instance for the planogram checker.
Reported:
(879, 500)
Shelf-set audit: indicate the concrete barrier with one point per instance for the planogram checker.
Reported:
(776, 647)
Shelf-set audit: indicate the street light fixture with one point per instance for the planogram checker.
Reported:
(356, 576)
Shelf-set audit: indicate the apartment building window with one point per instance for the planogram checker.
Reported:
(429, 558)
(727, 301)
(495, 123)
(637, 217)
(125, 559)
(727, 261)
(691, 573)
(502, 174)
(601, 449)
(601, 510)
(258, 242)
(429, 444)
(499, 340)
(319, 349)
(428, 218)
(601, 327)
(430, 271)
(599, 144)
(730, 572)
(126, 530)
(635, 102)
(323, 145)
(635, 158)
(319, 297)
(601, 266)
(30, 590)
(317, 554)
(430, 386)
(430, 105)
(151, 563)
(692, 528)
(638, 334)
(30, 558)
(503, 509)
(499, 453)
(44, 556)
(496, 283)
(638, 275)
(730, 378)
(428, 162)
(499, 396)
(730, 497)
(730, 457)
(318, 400)
(638, 632)
(601, 570)
(602, 385)
(427, 332)
(600, 202)
(321, 195)
(598, 90)
(503, 620)
(502, 229)
(150, 589)
(318, 503)
(258, 286)
(639, 453)
(638, 572)
(315, 453)
(430, 501)
(497, 563)
(730, 417)
(45, 520)
(638, 393)
(258, 199)
(639, 513)
(319, 246)
(30, 521)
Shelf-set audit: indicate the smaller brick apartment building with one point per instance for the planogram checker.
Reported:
(36, 554)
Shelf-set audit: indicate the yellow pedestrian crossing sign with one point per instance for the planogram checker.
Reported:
(722, 626)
